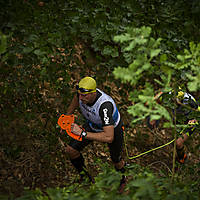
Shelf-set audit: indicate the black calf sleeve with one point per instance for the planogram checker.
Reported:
(122, 170)
(78, 163)
(180, 152)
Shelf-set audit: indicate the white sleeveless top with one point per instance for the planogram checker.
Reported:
(91, 113)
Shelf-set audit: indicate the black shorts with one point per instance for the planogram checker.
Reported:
(115, 147)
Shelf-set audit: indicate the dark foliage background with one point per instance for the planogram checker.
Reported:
(46, 47)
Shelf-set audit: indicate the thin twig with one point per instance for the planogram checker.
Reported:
(174, 149)
(161, 163)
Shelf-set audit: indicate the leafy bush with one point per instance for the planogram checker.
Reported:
(46, 46)
(148, 68)
(142, 184)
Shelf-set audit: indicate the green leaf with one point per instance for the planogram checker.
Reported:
(166, 69)
(38, 52)
(154, 52)
(163, 58)
(167, 125)
(181, 58)
(122, 38)
(131, 46)
(115, 53)
(146, 66)
(155, 117)
(27, 50)
(193, 86)
(108, 50)
(3, 45)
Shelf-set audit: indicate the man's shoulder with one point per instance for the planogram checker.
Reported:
(106, 105)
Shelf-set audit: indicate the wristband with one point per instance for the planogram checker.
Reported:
(83, 134)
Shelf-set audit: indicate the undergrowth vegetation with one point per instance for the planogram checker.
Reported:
(133, 49)
(143, 184)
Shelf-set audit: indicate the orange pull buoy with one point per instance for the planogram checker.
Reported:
(65, 122)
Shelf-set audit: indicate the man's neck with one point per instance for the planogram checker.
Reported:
(94, 99)
(94, 96)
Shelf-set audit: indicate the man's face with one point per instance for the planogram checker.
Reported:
(87, 98)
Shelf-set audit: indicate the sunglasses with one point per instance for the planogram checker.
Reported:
(82, 90)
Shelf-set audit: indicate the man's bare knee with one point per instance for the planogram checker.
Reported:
(72, 153)
(179, 143)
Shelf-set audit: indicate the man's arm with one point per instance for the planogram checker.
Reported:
(74, 104)
(107, 135)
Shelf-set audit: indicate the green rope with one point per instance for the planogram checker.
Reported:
(159, 147)
(130, 158)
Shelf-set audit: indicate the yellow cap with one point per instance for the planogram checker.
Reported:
(88, 84)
